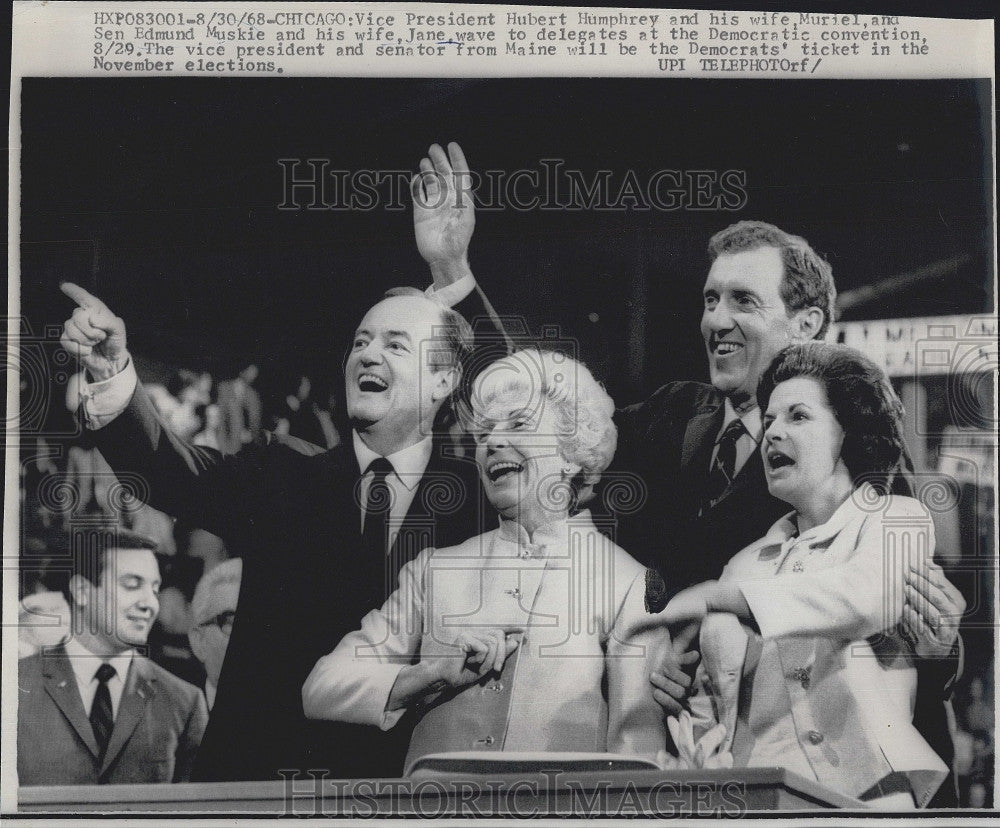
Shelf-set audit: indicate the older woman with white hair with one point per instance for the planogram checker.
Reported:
(518, 639)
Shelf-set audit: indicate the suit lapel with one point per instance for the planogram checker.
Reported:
(340, 473)
(136, 695)
(696, 454)
(336, 495)
(696, 450)
(439, 488)
(60, 684)
(699, 437)
(751, 473)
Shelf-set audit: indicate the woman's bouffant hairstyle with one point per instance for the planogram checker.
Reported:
(586, 432)
(863, 401)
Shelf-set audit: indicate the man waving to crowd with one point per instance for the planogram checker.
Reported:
(322, 534)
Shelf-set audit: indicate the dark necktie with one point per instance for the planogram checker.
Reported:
(724, 468)
(378, 502)
(102, 718)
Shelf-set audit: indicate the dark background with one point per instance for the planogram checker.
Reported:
(160, 195)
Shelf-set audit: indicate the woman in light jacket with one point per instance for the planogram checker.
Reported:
(518, 639)
(801, 658)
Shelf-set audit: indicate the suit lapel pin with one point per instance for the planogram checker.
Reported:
(797, 566)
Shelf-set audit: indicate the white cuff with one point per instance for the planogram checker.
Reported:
(390, 718)
(454, 293)
(383, 677)
(103, 401)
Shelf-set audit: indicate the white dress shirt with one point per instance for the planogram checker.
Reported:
(408, 467)
(210, 692)
(749, 440)
(103, 401)
(85, 664)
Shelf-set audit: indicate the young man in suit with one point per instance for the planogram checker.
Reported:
(94, 711)
(322, 533)
(695, 447)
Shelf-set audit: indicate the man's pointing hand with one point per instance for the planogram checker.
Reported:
(94, 334)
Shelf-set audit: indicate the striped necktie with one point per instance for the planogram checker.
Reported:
(102, 718)
(724, 468)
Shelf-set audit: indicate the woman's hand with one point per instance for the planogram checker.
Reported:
(707, 752)
(691, 605)
(477, 653)
(480, 652)
(672, 679)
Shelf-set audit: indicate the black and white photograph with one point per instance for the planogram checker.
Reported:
(513, 446)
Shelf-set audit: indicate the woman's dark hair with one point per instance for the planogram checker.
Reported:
(862, 400)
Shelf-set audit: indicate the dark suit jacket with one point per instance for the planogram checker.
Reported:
(290, 510)
(665, 447)
(156, 735)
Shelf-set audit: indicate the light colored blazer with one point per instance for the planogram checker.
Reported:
(156, 733)
(578, 680)
(828, 686)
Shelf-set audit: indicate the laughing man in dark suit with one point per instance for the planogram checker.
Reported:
(322, 533)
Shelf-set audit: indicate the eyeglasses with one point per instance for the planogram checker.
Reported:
(224, 621)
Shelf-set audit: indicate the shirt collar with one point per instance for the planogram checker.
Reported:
(751, 420)
(85, 663)
(556, 533)
(409, 464)
(787, 526)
